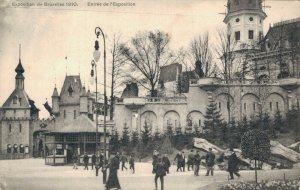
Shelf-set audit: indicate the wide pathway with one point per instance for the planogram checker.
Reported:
(32, 174)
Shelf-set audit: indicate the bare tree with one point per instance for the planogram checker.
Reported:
(225, 50)
(118, 61)
(199, 50)
(147, 52)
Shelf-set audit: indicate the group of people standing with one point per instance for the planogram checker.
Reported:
(161, 165)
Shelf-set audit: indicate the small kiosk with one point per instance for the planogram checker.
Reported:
(78, 137)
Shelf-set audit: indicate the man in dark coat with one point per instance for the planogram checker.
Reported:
(93, 161)
(233, 162)
(191, 160)
(210, 162)
(160, 172)
(113, 181)
(124, 160)
(154, 160)
(131, 163)
(179, 159)
(86, 161)
(197, 162)
(183, 161)
(167, 162)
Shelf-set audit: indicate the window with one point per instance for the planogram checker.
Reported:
(237, 35)
(200, 123)
(277, 106)
(260, 35)
(20, 128)
(15, 111)
(15, 99)
(59, 138)
(74, 114)
(271, 106)
(251, 19)
(228, 105)
(91, 137)
(219, 105)
(9, 128)
(64, 114)
(260, 21)
(245, 107)
(237, 20)
(72, 138)
(254, 106)
(250, 34)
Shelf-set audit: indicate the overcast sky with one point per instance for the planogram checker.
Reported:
(49, 34)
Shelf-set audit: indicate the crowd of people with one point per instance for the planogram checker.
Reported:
(160, 165)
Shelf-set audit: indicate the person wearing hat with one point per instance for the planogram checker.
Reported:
(160, 172)
(86, 161)
(233, 163)
(197, 161)
(210, 162)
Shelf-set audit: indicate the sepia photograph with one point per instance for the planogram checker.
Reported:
(149, 95)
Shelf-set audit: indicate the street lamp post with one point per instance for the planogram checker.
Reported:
(96, 55)
(94, 72)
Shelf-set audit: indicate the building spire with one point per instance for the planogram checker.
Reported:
(19, 53)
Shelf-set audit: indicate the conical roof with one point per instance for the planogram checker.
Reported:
(55, 93)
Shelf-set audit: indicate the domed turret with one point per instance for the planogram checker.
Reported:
(244, 21)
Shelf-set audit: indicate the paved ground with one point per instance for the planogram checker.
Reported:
(32, 174)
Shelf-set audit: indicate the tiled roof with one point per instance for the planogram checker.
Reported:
(82, 124)
(75, 83)
(286, 30)
(22, 100)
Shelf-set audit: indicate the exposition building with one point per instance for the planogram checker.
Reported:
(274, 61)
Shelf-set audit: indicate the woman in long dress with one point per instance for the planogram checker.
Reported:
(113, 181)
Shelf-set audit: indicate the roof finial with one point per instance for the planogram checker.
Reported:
(19, 53)
(66, 58)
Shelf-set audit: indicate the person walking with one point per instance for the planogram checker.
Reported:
(179, 159)
(233, 163)
(75, 160)
(167, 162)
(160, 172)
(94, 161)
(197, 162)
(191, 160)
(131, 164)
(113, 181)
(124, 160)
(86, 161)
(154, 160)
(210, 162)
(183, 161)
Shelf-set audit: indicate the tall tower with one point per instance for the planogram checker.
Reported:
(244, 21)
